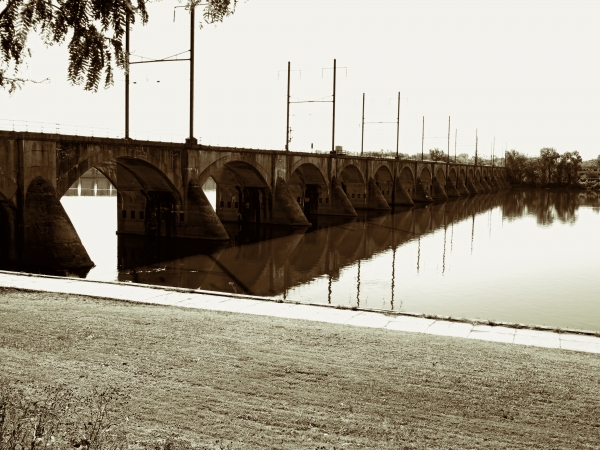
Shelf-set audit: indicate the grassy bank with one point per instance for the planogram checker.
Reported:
(260, 382)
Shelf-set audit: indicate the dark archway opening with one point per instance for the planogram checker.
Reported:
(308, 187)
(353, 185)
(312, 194)
(5, 234)
(159, 215)
(252, 206)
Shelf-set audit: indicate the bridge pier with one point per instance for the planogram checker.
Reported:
(285, 208)
(472, 188)
(340, 204)
(36, 230)
(462, 188)
(199, 218)
(438, 192)
(375, 199)
(49, 238)
(486, 187)
(401, 197)
(451, 189)
(421, 194)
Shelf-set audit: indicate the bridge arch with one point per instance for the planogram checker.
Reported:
(147, 199)
(407, 180)
(353, 184)
(74, 160)
(242, 189)
(308, 186)
(385, 181)
(452, 175)
(309, 165)
(228, 170)
(426, 179)
(462, 175)
(440, 176)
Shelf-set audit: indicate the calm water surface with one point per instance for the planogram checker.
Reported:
(529, 256)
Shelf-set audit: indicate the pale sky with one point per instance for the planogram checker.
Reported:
(523, 72)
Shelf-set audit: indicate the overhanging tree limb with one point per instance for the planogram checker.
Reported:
(96, 29)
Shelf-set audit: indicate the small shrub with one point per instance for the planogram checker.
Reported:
(33, 417)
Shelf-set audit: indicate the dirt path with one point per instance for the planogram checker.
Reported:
(261, 382)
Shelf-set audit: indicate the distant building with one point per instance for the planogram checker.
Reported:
(92, 184)
(588, 173)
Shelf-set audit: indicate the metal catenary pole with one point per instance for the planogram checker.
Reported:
(475, 146)
(333, 124)
(448, 159)
(192, 140)
(127, 76)
(422, 137)
(287, 123)
(167, 59)
(448, 138)
(455, 135)
(362, 141)
(398, 128)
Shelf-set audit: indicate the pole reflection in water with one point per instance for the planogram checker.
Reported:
(358, 285)
(393, 277)
(444, 255)
(536, 268)
(419, 255)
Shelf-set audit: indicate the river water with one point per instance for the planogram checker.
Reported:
(527, 256)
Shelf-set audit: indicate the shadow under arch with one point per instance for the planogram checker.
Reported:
(440, 176)
(8, 230)
(242, 192)
(407, 180)
(353, 184)
(426, 180)
(147, 201)
(385, 181)
(308, 186)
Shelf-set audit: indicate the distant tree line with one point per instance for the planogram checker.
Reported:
(549, 169)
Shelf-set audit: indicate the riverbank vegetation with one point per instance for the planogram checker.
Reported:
(549, 169)
(224, 380)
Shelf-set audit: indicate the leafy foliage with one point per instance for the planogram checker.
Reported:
(550, 168)
(435, 154)
(464, 158)
(95, 30)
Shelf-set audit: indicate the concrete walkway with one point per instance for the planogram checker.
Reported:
(186, 298)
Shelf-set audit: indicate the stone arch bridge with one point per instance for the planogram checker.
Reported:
(160, 188)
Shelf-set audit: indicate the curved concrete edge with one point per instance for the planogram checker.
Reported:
(537, 336)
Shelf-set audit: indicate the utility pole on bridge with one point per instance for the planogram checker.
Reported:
(333, 125)
(422, 138)
(191, 139)
(127, 76)
(475, 146)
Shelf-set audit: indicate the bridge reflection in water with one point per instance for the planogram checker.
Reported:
(273, 261)
(518, 256)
